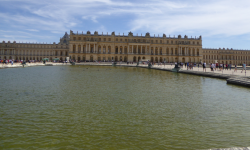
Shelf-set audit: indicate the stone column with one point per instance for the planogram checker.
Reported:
(97, 46)
(128, 49)
(136, 49)
(71, 48)
(141, 49)
(132, 49)
(89, 48)
(94, 48)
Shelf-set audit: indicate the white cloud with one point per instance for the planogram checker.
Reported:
(217, 17)
(207, 17)
(34, 30)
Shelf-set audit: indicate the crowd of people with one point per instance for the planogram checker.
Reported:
(12, 61)
(189, 66)
(221, 67)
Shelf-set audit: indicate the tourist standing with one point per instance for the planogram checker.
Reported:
(187, 65)
(235, 68)
(204, 66)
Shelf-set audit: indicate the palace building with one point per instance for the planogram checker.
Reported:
(226, 56)
(112, 47)
(102, 47)
(35, 51)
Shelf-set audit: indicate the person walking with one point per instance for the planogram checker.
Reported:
(244, 67)
(235, 68)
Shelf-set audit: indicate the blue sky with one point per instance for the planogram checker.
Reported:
(222, 23)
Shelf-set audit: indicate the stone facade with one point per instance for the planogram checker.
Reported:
(108, 47)
(100, 47)
(226, 56)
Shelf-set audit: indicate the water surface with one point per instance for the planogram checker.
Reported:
(93, 107)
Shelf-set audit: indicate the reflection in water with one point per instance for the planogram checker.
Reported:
(118, 107)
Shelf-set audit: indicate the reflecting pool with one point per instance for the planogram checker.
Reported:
(94, 107)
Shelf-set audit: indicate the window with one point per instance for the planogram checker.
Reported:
(74, 38)
(100, 39)
(120, 40)
(79, 38)
(104, 39)
(160, 41)
(116, 39)
(125, 40)
(109, 39)
(171, 42)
